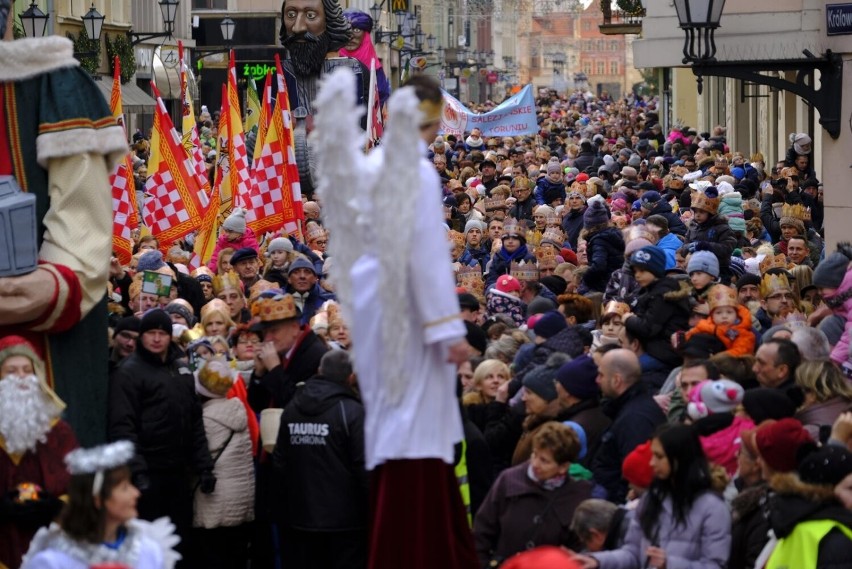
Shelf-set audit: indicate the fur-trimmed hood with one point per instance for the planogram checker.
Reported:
(795, 501)
(684, 290)
(28, 57)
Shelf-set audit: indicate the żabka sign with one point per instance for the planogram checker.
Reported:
(838, 19)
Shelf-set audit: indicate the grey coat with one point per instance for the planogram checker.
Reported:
(704, 543)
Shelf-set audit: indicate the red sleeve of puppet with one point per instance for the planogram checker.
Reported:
(239, 391)
(60, 441)
(63, 312)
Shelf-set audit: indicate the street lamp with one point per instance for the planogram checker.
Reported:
(430, 42)
(34, 21)
(227, 26)
(168, 10)
(93, 21)
(375, 12)
(699, 19)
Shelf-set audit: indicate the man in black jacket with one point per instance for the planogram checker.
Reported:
(319, 463)
(152, 403)
(634, 413)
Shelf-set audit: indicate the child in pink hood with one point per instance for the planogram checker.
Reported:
(235, 235)
(711, 408)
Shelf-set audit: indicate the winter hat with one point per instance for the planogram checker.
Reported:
(737, 267)
(747, 279)
(595, 214)
(650, 200)
(539, 380)
(279, 244)
(507, 283)
(579, 376)
(476, 337)
(828, 465)
(710, 397)
(779, 442)
(473, 224)
(635, 244)
(619, 204)
(128, 323)
(550, 324)
(301, 263)
(575, 194)
(554, 168)
(801, 143)
(830, 271)
(766, 403)
(650, 258)
(554, 284)
(243, 254)
(703, 261)
(181, 310)
(738, 172)
(628, 172)
(540, 305)
(636, 467)
(468, 301)
(634, 161)
(583, 177)
(156, 319)
(581, 436)
(542, 557)
(236, 221)
(724, 188)
(150, 261)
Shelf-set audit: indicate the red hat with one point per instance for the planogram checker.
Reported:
(636, 468)
(543, 557)
(569, 255)
(508, 283)
(779, 442)
(582, 177)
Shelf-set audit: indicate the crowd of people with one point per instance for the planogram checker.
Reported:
(658, 372)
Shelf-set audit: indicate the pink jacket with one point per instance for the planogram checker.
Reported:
(247, 240)
(840, 353)
(721, 447)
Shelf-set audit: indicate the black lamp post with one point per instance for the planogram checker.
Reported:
(168, 10)
(699, 19)
(93, 21)
(34, 21)
(228, 27)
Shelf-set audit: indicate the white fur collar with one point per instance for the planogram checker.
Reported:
(28, 57)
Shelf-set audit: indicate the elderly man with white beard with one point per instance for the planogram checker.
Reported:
(33, 445)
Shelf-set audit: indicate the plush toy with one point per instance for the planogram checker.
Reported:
(709, 397)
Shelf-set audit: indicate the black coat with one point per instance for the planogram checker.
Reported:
(716, 236)
(153, 405)
(605, 251)
(572, 225)
(319, 459)
(749, 526)
(661, 310)
(675, 224)
(276, 387)
(635, 416)
(589, 415)
(521, 210)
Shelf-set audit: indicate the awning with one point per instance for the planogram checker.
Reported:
(133, 99)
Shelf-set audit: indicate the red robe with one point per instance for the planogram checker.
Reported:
(45, 467)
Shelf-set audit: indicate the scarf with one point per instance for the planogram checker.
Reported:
(551, 483)
(520, 253)
(365, 53)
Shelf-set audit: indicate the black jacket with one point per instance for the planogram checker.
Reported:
(521, 210)
(661, 310)
(572, 225)
(675, 224)
(605, 251)
(716, 236)
(276, 387)
(319, 458)
(749, 526)
(635, 415)
(153, 404)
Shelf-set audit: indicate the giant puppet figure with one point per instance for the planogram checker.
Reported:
(313, 31)
(59, 140)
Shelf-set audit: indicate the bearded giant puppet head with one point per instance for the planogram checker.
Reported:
(311, 29)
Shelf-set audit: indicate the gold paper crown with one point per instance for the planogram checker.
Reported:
(553, 236)
(721, 160)
(552, 219)
(773, 284)
(796, 319)
(226, 281)
(579, 187)
(701, 201)
(456, 238)
(214, 380)
(215, 305)
(524, 271)
(773, 262)
(492, 204)
(721, 295)
(202, 270)
(533, 238)
(260, 287)
(277, 308)
(789, 172)
(614, 306)
(546, 258)
(797, 211)
(432, 111)
(192, 334)
(673, 182)
(315, 231)
(470, 278)
(335, 317)
(521, 181)
(512, 227)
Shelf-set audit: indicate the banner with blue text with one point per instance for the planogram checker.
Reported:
(514, 116)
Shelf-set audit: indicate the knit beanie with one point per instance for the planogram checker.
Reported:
(578, 377)
(507, 283)
(650, 258)
(827, 465)
(128, 323)
(156, 319)
(554, 168)
(301, 263)
(181, 310)
(595, 214)
(762, 403)
(581, 436)
(150, 261)
(476, 337)
(539, 380)
(703, 261)
(540, 305)
(737, 267)
(636, 468)
(473, 224)
(554, 284)
(747, 279)
(650, 200)
(831, 270)
(236, 221)
(779, 442)
(550, 324)
(280, 244)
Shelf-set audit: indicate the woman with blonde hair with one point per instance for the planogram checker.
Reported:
(827, 394)
(487, 379)
(215, 318)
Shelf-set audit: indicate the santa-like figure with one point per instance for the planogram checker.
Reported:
(33, 443)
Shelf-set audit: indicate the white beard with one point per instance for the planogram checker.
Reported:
(26, 413)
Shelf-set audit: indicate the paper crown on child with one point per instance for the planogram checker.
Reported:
(524, 271)
(616, 307)
(511, 227)
(315, 231)
(552, 219)
(797, 211)
(773, 284)
(708, 200)
(470, 278)
(709, 397)
(721, 295)
(554, 236)
(226, 281)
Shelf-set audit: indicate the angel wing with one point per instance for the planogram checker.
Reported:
(162, 532)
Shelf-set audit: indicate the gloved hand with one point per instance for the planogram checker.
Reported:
(691, 247)
(141, 481)
(207, 482)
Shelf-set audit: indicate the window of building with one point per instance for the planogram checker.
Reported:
(613, 68)
(601, 67)
(613, 46)
(209, 4)
(587, 67)
(587, 25)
